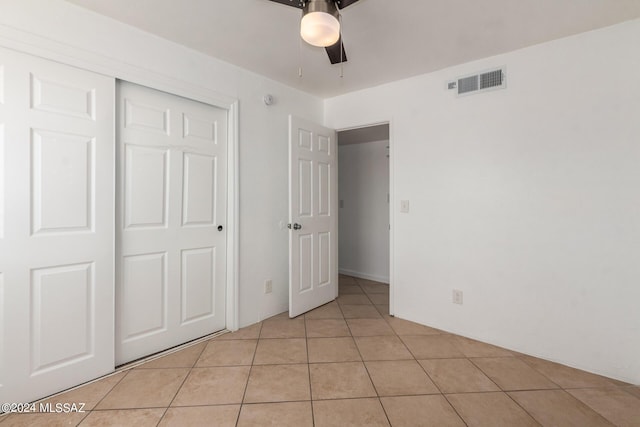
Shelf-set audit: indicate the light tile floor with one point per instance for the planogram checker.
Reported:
(347, 363)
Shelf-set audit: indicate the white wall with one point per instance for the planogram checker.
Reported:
(263, 134)
(363, 186)
(527, 199)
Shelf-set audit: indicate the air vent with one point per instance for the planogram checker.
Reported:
(491, 79)
(468, 84)
(488, 80)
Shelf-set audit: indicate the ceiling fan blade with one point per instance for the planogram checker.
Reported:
(300, 3)
(344, 3)
(294, 3)
(334, 52)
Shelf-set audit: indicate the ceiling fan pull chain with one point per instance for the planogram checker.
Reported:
(341, 48)
(300, 57)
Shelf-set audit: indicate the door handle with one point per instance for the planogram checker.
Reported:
(220, 228)
(295, 226)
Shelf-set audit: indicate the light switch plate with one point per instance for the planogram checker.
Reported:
(404, 206)
(457, 296)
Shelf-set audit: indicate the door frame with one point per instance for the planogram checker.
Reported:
(392, 199)
(25, 42)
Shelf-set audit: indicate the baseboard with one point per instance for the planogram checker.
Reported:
(360, 275)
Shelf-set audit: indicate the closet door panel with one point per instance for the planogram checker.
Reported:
(56, 226)
(171, 216)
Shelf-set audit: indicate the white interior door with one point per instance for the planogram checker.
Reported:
(171, 260)
(56, 226)
(313, 216)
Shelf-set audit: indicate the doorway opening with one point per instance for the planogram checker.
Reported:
(364, 230)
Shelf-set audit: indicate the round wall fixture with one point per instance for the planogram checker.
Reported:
(268, 99)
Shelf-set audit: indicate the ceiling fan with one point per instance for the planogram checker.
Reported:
(320, 25)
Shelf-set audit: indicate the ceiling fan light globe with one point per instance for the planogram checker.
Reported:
(320, 29)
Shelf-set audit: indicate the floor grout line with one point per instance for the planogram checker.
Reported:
(373, 384)
(106, 394)
(313, 421)
(184, 380)
(246, 386)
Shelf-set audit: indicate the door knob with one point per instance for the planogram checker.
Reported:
(220, 228)
(295, 226)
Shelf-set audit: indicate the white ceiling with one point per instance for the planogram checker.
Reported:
(385, 40)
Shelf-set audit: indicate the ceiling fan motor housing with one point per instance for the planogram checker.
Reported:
(328, 8)
(320, 24)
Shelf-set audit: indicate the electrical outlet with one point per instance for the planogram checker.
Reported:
(404, 206)
(268, 287)
(457, 296)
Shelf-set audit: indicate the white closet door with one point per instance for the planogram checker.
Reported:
(171, 262)
(56, 226)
